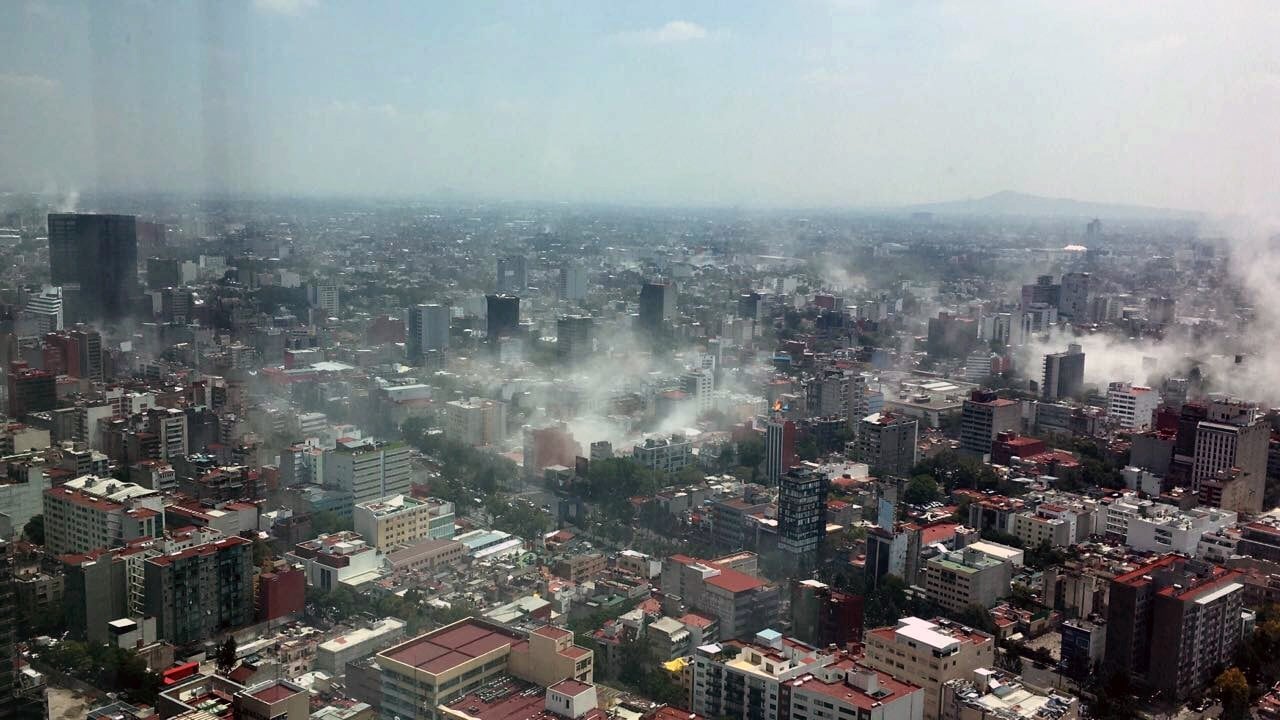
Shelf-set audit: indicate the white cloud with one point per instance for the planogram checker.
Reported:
(284, 7)
(675, 31)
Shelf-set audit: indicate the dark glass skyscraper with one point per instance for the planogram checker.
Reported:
(100, 254)
(657, 305)
(503, 316)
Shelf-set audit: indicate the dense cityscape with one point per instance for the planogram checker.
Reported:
(564, 360)
(355, 460)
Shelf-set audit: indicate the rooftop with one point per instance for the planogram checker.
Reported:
(274, 691)
(451, 646)
(509, 699)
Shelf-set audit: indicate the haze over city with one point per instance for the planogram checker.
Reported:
(814, 360)
(851, 103)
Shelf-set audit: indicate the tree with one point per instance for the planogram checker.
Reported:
(1044, 555)
(227, 654)
(975, 616)
(807, 449)
(35, 529)
(999, 536)
(1233, 690)
(261, 552)
(751, 454)
(922, 489)
(326, 522)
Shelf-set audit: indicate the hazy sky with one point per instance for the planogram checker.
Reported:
(770, 103)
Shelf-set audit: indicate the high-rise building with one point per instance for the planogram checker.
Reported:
(1035, 319)
(90, 513)
(779, 448)
(887, 442)
(1229, 457)
(982, 417)
(369, 470)
(30, 390)
(43, 313)
(427, 331)
(169, 425)
(953, 581)
(657, 305)
(978, 366)
(197, 593)
(1073, 301)
(513, 274)
(573, 282)
(100, 254)
(1161, 310)
(950, 335)
(546, 446)
(575, 337)
(476, 421)
(1131, 407)
(503, 316)
(325, 297)
(750, 306)
(700, 384)
(1063, 373)
(88, 348)
(1043, 291)
(1172, 622)
(802, 512)
(669, 454)
(401, 520)
(163, 272)
(822, 616)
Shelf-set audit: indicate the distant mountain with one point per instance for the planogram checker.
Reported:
(1008, 202)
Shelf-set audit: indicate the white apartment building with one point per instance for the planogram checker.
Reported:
(1131, 407)
(89, 513)
(1167, 529)
(958, 579)
(369, 470)
(343, 558)
(476, 421)
(1038, 526)
(928, 654)
(785, 678)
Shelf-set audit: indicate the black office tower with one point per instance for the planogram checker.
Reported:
(657, 305)
(100, 253)
(503, 316)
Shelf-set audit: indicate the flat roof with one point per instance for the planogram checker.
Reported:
(923, 631)
(451, 646)
(275, 692)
